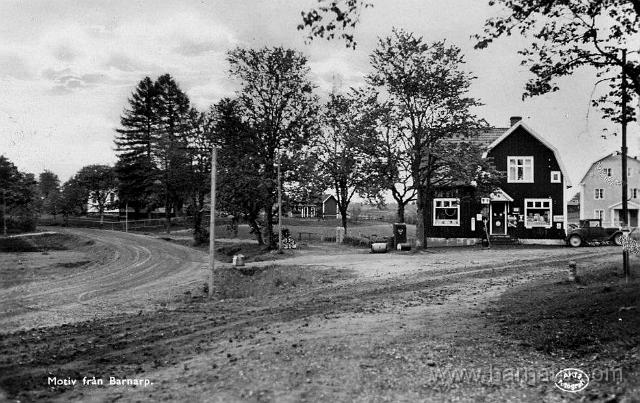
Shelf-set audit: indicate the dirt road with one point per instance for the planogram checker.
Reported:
(124, 273)
(347, 337)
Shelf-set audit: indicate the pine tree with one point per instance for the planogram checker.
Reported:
(135, 144)
(172, 148)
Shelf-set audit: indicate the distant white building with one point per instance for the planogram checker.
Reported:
(112, 204)
(601, 190)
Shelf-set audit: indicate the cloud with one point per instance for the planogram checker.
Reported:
(121, 61)
(14, 65)
(67, 80)
(65, 53)
(189, 47)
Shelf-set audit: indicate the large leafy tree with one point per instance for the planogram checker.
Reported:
(389, 154)
(348, 126)
(196, 172)
(572, 34)
(567, 35)
(73, 198)
(18, 193)
(49, 189)
(99, 183)
(278, 105)
(333, 18)
(240, 185)
(427, 93)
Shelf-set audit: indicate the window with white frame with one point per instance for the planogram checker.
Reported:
(520, 169)
(598, 194)
(537, 213)
(556, 177)
(608, 171)
(633, 193)
(598, 213)
(446, 212)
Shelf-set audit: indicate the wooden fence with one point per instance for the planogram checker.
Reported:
(110, 223)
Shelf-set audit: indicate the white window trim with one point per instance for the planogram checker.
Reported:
(595, 194)
(556, 177)
(602, 216)
(449, 199)
(526, 212)
(512, 180)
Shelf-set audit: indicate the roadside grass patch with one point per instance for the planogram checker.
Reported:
(233, 283)
(42, 243)
(224, 251)
(600, 315)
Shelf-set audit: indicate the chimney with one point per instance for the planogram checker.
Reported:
(514, 120)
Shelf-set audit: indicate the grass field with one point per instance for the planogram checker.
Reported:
(317, 229)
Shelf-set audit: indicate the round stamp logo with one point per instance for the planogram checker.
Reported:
(571, 380)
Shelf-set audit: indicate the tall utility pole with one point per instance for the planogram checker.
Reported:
(625, 207)
(212, 220)
(279, 207)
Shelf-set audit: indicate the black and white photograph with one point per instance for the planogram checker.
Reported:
(319, 201)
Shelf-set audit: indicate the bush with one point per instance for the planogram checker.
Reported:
(42, 242)
(16, 225)
(356, 241)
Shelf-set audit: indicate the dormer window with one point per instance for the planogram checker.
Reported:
(520, 169)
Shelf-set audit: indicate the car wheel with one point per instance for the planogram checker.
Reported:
(618, 239)
(575, 241)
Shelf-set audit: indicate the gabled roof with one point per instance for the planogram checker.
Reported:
(326, 197)
(483, 138)
(500, 195)
(609, 154)
(575, 200)
(539, 138)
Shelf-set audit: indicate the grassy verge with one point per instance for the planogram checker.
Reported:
(260, 282)
(598, 316)
(41, 242)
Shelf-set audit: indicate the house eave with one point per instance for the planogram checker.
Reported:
(539, 138)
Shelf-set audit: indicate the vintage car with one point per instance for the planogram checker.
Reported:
(592, 231)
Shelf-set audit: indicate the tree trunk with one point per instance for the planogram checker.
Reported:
(421, 241)
(270, 236)
(400, 212)
(198, 231)
(343, 213)
(253, 223)
(426, 216)
(167, 215)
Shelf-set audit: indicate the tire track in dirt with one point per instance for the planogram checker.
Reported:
(139, 271)
(128, 343)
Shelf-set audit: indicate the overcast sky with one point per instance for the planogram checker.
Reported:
(67, 68)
